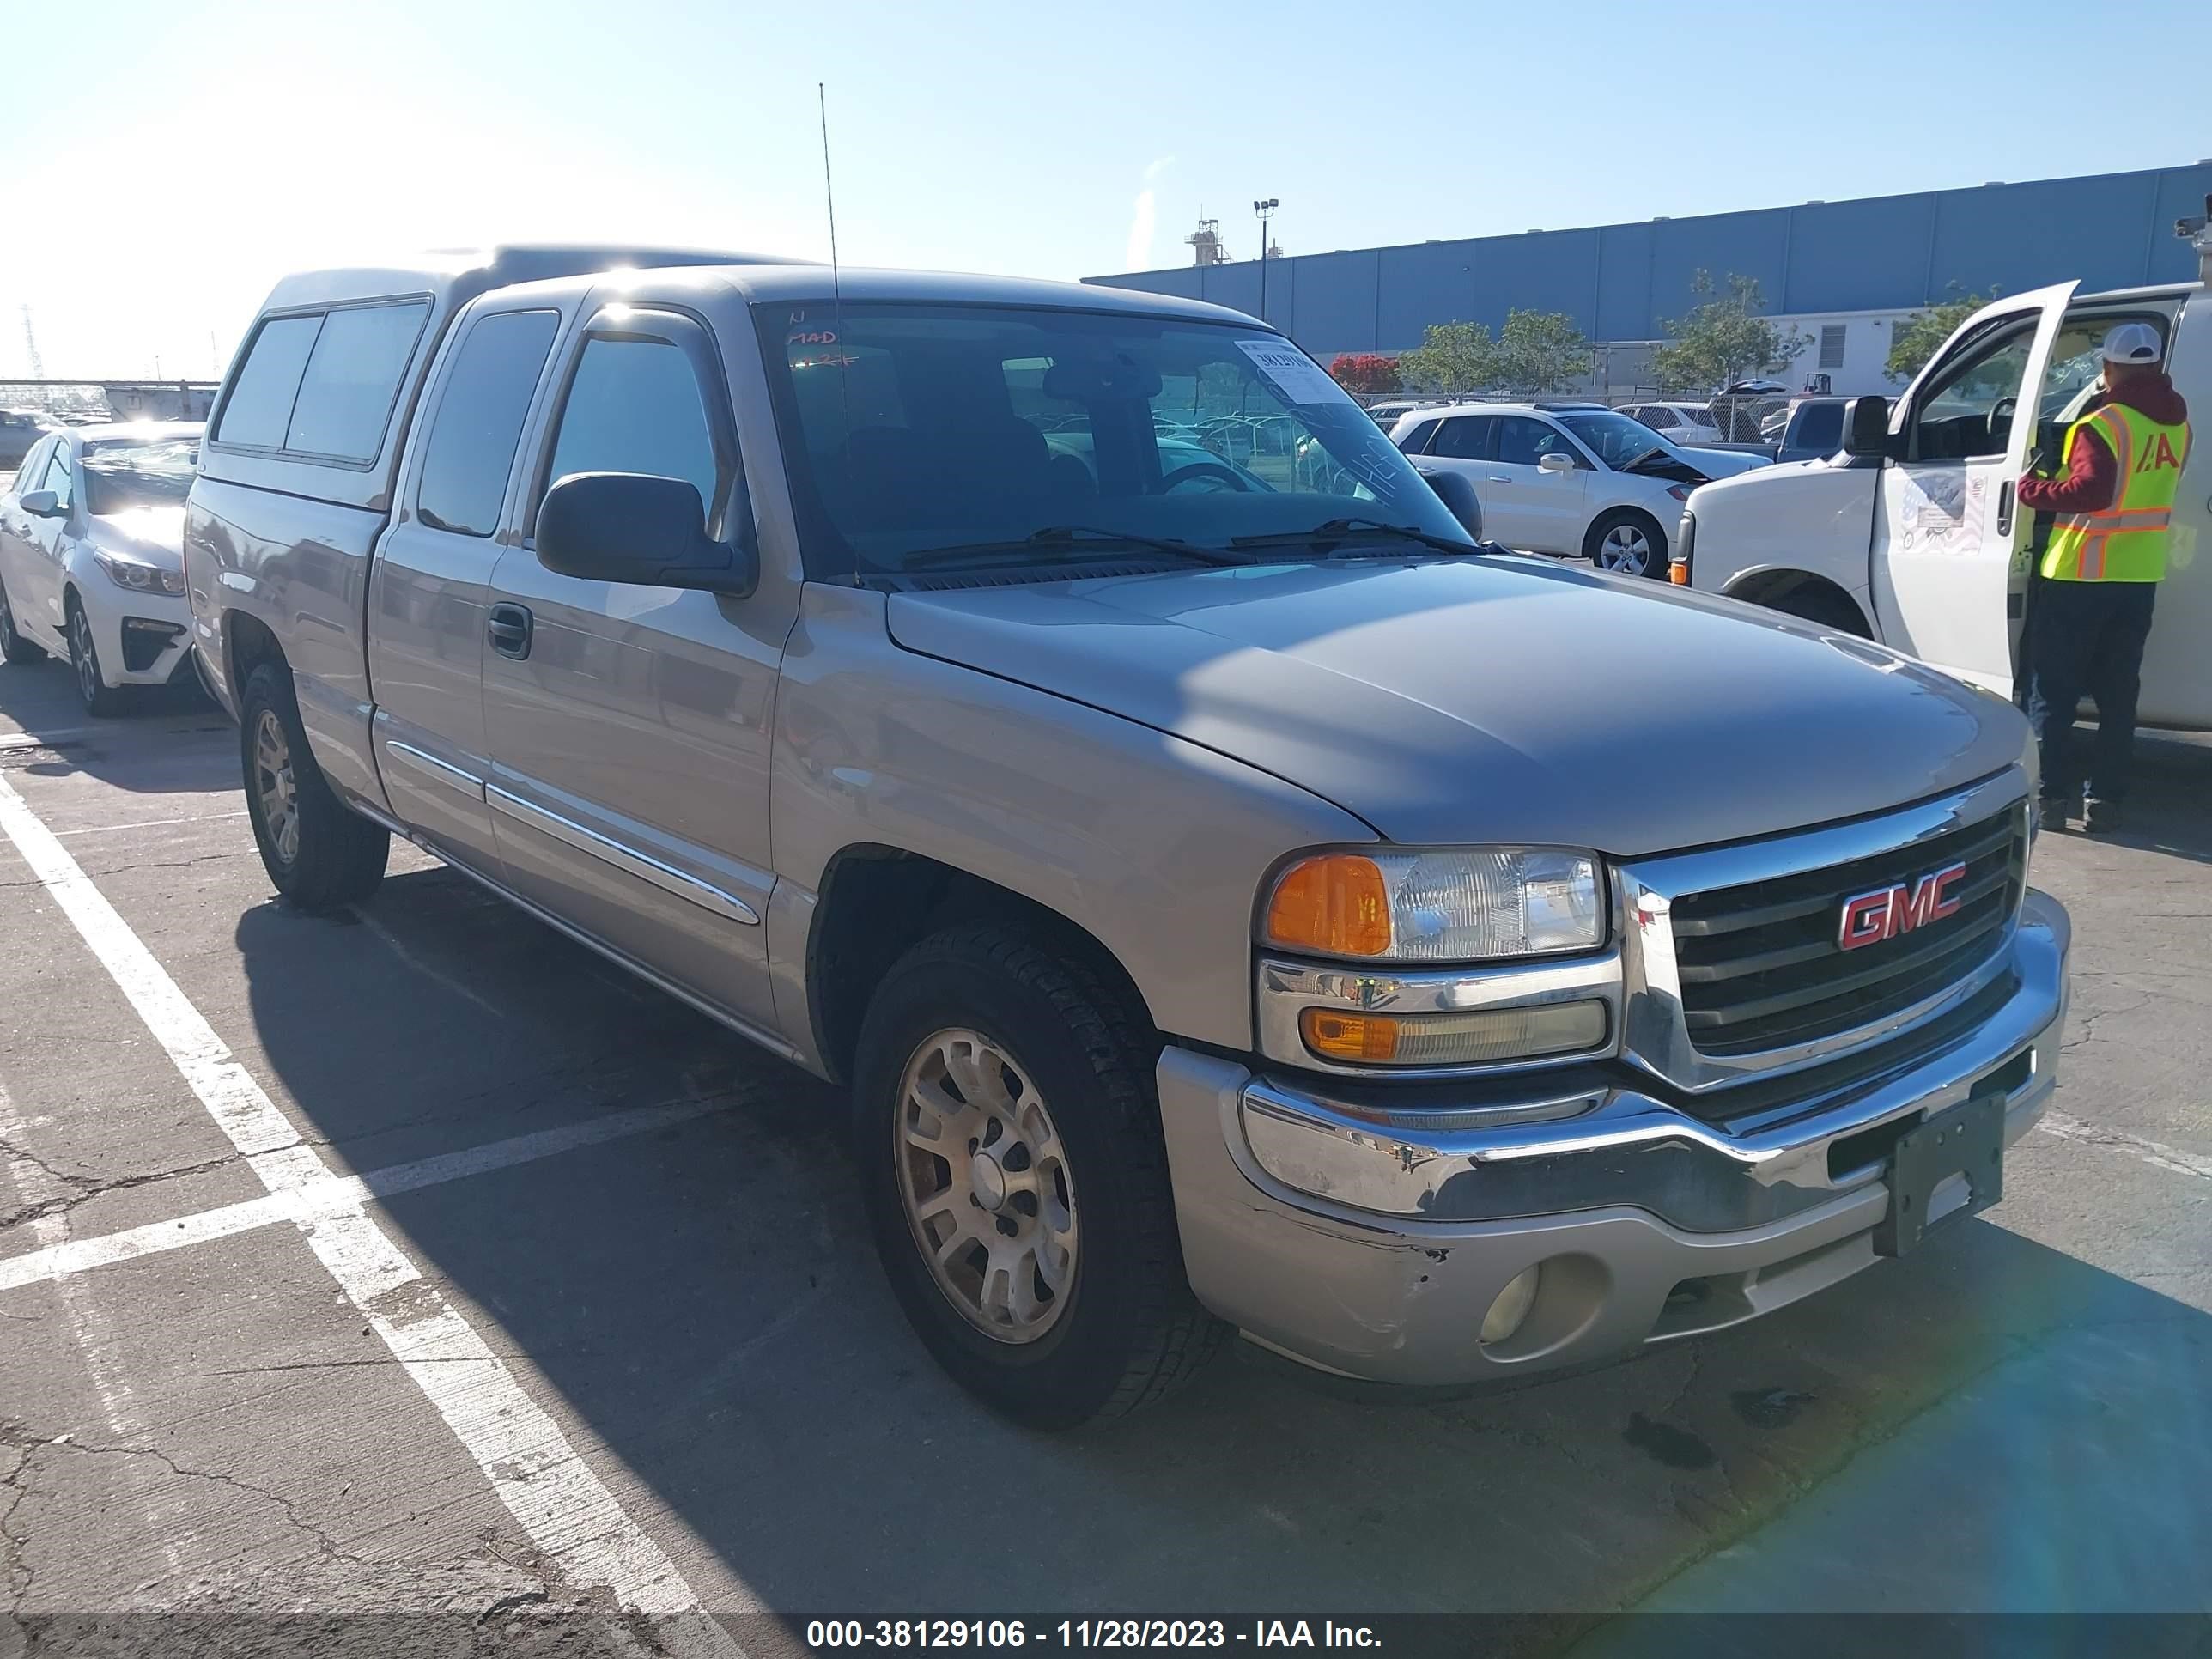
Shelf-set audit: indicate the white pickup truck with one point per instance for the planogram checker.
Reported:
(1911, 535)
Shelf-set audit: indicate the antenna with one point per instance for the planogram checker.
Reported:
(836, 285)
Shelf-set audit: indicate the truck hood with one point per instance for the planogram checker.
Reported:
(155, 534)
(1491, 699)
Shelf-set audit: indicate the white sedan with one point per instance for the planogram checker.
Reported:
(92, 559)
(1569, 481)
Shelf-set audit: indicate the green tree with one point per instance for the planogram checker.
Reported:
(1724, 338)
(1541, 351)
(1452, 358)
(1915, 339)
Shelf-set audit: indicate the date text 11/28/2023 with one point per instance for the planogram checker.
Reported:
(825, 1634)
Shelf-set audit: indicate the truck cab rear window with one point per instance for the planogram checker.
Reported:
(323, 384)
(259, 406)
(471, 449)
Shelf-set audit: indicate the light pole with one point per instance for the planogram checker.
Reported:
(1264, 211)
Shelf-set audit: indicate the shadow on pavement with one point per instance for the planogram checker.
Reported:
(163, 742)
(704, 1304)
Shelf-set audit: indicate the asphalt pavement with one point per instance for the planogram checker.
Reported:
(412, 1271)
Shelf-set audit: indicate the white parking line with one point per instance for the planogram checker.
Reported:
(336, 1194)
(150, 823)
(39, 739)
(2156, 1153)
(551, 1492)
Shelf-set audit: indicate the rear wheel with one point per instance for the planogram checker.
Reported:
(99, 698)
(1009, 1139)
(319, 855)
(1627, 543)
(14, 647)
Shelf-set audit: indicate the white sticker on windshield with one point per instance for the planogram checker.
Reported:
(1296, 377)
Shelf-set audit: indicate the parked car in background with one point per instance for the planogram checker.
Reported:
(19, 430)
(1911, 534)
(1231, 909)
(91, 555)
(1387, 414)
(1567, 480)
(1677, 423)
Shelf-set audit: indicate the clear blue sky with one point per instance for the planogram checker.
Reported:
(214, 146)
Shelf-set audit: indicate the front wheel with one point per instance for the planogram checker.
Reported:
(99, 698)
(1627, 543)
(319, 855)
(1009, 1139)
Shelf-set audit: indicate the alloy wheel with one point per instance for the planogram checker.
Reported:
(989, 1199)
(1625, 549)
(274, 786)
(88, 660)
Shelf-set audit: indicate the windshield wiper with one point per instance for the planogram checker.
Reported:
(1642, 456)
(1336, 530)
(1087, 537)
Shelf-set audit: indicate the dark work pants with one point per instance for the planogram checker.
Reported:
(2087, 641)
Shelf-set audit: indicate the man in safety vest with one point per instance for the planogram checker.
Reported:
(2120, 468)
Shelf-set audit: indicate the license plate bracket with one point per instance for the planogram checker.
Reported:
(1967, 1141)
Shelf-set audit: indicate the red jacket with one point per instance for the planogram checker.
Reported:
(2092, 483)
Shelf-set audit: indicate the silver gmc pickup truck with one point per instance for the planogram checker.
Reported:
(1239, 900)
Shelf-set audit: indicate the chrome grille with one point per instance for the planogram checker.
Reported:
(1761, 967)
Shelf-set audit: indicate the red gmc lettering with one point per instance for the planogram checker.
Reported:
(1870, 918)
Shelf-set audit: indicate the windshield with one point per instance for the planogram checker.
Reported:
(120, 474)
(1615, 438)
(932, 433)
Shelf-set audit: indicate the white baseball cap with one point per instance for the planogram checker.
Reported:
(2133, 343)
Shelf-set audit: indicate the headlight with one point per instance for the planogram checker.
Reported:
(1474, 904)
(136, 575)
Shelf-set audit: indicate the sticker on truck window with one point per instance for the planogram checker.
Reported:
(1293, 376)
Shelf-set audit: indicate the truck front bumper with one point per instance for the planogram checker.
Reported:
(1371, 1243)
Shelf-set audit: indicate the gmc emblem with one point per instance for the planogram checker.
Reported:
(1870, 918)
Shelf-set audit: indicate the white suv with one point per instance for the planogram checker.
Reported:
(1570, 481)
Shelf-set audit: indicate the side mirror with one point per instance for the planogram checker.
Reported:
(635, 528)
(1555, 461)
(41, 504)
(1457, 492)
(1866, 427)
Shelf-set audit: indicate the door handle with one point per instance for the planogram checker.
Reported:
(508, 628)
(2004, 508)
(1499, 478)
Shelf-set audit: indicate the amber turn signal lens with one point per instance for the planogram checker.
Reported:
(1679, 573)
(1472, 1037)
(1335, 905)
(1355, 1038)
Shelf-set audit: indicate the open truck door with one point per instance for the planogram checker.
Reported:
(1949, 568)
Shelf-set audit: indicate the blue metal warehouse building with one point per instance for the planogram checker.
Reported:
(1823, 262)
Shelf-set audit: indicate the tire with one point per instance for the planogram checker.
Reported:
(1611, 541)
(1122, 1328)
(1823, 609)
(101, 700)
(14, 649)
(321, 855)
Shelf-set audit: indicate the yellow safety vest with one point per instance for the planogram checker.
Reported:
(2125, 542)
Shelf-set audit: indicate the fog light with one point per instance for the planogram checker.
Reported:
(1511, 1309)
(1455, 1039)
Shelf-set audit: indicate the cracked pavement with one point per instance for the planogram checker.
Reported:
(213, 1432)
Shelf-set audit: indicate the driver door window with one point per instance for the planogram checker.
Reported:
(1525, 442)
(634, 405)
(1966, 412)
